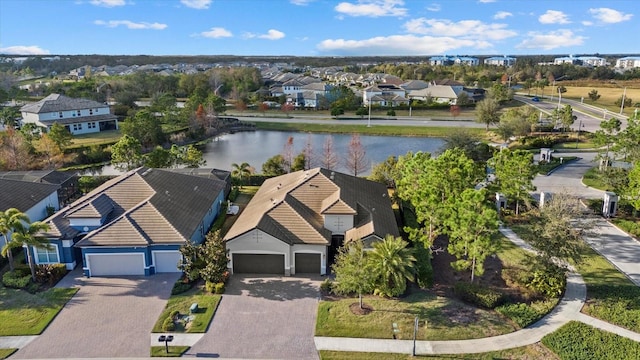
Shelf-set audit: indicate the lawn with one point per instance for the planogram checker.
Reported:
(608, 95)
(23, 313)
(5, 353)
(530, 352)
(99, 138)
(174, 351)
(441, 319)
(207, 305)
(592, 179)
(319, 127)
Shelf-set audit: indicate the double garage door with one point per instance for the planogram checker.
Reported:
(131, 264)
(274, 263)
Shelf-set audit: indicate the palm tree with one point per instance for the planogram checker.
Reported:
(241, 171)
(393, 264)
(29, 236)
(9, 220)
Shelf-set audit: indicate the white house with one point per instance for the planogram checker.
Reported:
(500, 61)
(79, 116)
(628, 62)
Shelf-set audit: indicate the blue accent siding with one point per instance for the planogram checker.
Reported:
(198, 236)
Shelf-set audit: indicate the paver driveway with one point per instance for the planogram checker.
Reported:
(263, 318)
(108, 317)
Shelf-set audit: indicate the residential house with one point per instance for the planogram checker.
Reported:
(466, 60)
(384, 95)
(134, 224)
(79, 116)
(628, 62)
(67, 182)
(440, 60)
(296, 222)
(444, 92)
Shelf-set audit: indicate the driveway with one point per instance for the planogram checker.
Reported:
(263, 318)
(568, 178)
(108, 317)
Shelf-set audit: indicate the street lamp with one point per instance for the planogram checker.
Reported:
(559, 98)
(579, 128)
(624, 94)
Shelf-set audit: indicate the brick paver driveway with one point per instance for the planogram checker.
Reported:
(108, 317)
(263, 318)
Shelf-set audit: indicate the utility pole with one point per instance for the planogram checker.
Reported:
(624, 94)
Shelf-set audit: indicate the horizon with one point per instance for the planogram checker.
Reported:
(315, 28)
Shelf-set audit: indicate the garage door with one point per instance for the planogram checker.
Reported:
(258, 264)
(166, 261)
(307, 263)
(115, 264)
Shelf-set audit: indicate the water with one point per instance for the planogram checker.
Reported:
(256, 147)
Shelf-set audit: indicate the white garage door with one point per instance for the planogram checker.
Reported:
(115, 264)
(166, 261)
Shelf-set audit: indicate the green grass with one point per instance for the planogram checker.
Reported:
(5, 353)
(336, 319)
(22, 313)
(174, 351)
(99, 138)
(544, 169)
(576, 340)
(207, 305)
(592, 179)
(530, 352)
(582, 145)
(319, 127)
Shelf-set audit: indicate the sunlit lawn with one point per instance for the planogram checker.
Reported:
(426, 131)
(174, 351)
(207, 305)
(99, 138)
(23, 313)
(5, 353)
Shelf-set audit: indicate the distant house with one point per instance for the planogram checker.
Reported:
(466, 60)
(440, 60)
(79, 116)
(296, 222)
(580, 60)
(443, 92)
(500, 61)
(384, 95)
(134, 224)
(628, 62)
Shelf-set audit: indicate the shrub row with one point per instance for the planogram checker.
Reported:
(16, 279)
(629, 226)
(580, 341)
(524, 314)
(50, 273)
(179, 287)
(478, 295)
(216, 288)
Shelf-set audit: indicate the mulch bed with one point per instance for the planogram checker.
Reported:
(365, 310)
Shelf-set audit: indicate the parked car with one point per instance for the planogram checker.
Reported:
(535, 99)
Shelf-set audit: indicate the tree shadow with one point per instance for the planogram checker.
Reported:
(274, 288)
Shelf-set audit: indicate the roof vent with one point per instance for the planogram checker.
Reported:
(333, 175)
(146, 172)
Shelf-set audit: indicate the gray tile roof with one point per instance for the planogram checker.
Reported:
(23, 195)
(57, 102)
(43, 176)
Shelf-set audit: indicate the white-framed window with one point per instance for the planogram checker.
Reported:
(91, 125)
(60, 114)
(78, 112)
(47, 256)
(90, 111)
(77, 127)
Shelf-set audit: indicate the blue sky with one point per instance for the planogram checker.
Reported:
(319, 27)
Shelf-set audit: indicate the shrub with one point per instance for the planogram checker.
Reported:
(179, 287)
(521, 313)
(424, 270)
(478, 295)
(174, 314)
(50, 273)
(580, 341)
(233, 194)
(391, 113)
(326, 286)
(218, 288)
(16, 280)
(168, 324)
(549, 281)
(209, 286)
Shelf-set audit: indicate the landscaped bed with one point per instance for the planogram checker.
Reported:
(576, 340)
(185, 321)
(23, 313)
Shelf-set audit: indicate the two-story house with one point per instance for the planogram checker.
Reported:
(79, 116)
(296, 222)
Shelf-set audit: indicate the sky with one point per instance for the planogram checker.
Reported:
(319, 27)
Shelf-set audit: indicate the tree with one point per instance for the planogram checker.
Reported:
(329, 159)
(514, 173)
(356, 159)
(287, 154)
(469, 143)
(362, 111)
(207, 261)
(353, 270)
(126, 154)
(60, 136)
(605, 138)
(9, 221)
(632, 190)
(593, 95)
(628, 140)
(9, 116)
(392, 263)
(193, 157)
(499, 92)
(53, 156)
(14, 150)
(299, 162)
(385, 172)
(144, 127)
(487, 112)
(336, 111)
(158, 158)
(564, 117)
(627, 101)
(29, 236)
(274, 166)
(472, 224)
(241, 171)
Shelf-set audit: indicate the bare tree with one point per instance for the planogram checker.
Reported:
(356, 159)
(308, 154)
(14, 151)
(329, 159)
(287, 154)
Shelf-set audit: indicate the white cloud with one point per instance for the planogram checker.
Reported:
(551, 40)
(398, 44)
(108, 3)
(23, 50)
(196, 4)
(216, 33)
(587, 23)
(272, 34)
(300, 2)
(609, 16)
(372, 8)
(434, 7)
(465, 29)
(554, 17)
(131, 25)
(486, 1)
(502, 15)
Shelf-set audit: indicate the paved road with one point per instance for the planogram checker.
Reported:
(263, 318)
(400, 121)
(568, 178)
(108, 317)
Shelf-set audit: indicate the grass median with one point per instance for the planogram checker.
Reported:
(189, 323)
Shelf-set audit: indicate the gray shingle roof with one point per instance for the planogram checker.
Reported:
(23, 195)
(57, 102)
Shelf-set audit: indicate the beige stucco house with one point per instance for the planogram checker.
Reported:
(296, 222)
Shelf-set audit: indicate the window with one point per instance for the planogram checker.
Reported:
(60, 114)
(78, 112)
(91, 125)
(77, 127)
(44, 256)
(90, 111)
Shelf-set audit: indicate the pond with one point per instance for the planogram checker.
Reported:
(256, 147)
